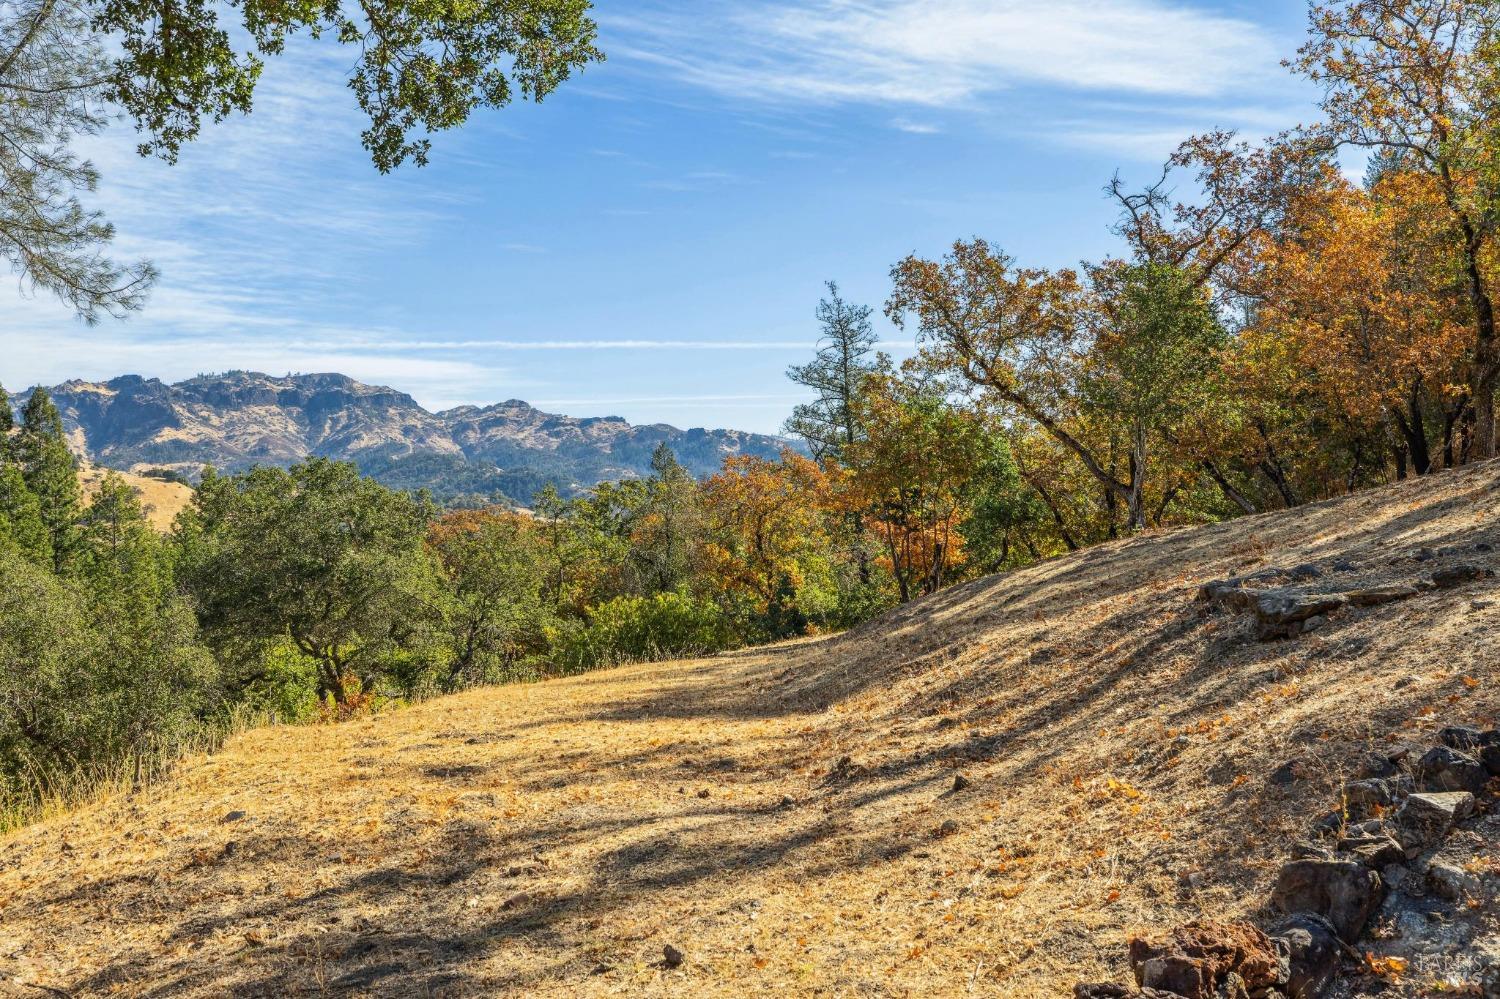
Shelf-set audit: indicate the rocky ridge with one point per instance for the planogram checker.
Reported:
(241, 418)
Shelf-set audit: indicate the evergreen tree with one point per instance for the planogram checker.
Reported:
(844, 360)
(663, 524)
(7, 422)
(113, 525)
(21, 527)
(51, 473)
(830, 424)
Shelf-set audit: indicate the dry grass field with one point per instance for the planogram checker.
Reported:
(786, 818)
(162, 500)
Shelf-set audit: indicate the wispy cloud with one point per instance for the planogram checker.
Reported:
(696, 180)
(945, 53)
(525, 345)
(914, 127)
(688, 401)
(33, 358)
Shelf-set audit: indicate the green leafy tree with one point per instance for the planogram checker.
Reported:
(1152, 364)
(93, 676)
(632, 629)
(46, 653)
(1002, 511)
(51, 473)
(67, 65)
(417, 68)
(496, 612)
(319, 556)
(664, 524)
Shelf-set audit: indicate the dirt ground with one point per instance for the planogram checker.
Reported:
(786, 818)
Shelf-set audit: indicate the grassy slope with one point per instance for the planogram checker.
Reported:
(162, 500)
(548, 840)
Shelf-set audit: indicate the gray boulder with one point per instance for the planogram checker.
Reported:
(1459, 575)
(1363, 796)
(1345, 892)
(1281, 613)
(1425, 819)
(1374, 851)
(1312, 949)
(1374, 596)
(1446, 769)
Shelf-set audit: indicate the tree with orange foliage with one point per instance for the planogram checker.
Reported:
(1418, 79)
(1243, 192)
(767, 534)
(1131, 349)
(911, 473)
(1359, 287)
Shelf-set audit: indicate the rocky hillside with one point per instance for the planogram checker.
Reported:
(242, 418)
(990, 792)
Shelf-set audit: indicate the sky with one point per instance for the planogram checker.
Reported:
(651, 241)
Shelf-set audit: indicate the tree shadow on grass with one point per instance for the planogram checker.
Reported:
(1095, 638)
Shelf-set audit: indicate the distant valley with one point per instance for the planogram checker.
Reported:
(471, 454)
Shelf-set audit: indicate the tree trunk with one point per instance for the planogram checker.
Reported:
(1031, 547)
(1057, 518)
(1484, 421)
(1234, 496)
(1137, 498)
(1485, 366)
(1414, 428)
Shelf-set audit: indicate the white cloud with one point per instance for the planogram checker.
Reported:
(914, 127)
(946, 53)
(534, 345)
(781, 401)
(98, 355)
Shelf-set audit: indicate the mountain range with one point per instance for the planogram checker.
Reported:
(471, 454)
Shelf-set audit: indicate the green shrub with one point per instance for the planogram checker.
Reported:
(85, 686)
(628, 629)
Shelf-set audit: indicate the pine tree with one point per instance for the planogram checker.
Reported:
(7, 424)
(664, 523)
(114, 520)
(21, 518)
(843, 362)
(830, 424)
(50, 473)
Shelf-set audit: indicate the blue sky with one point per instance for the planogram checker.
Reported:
(652, 240)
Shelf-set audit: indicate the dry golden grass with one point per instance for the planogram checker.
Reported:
(162, 500)
(548, 840)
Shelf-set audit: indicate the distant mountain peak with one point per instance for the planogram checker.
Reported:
(236, 419)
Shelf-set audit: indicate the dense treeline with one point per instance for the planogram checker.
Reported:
(1279, 332)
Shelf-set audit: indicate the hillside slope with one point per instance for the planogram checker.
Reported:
(161, 500)
(786, 817)
(242, 418)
